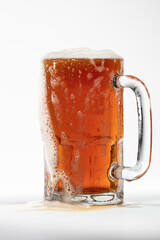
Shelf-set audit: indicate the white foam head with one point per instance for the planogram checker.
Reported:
(83, 53)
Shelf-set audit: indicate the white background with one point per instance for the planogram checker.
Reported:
(29, 29)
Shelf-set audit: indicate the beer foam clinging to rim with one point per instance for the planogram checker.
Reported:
(83, 53)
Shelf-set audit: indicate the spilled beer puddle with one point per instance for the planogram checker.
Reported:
(53, 206)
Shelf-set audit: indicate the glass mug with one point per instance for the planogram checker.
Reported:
(81, 115)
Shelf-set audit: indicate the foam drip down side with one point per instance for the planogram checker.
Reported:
(50, 147)
(82, 53)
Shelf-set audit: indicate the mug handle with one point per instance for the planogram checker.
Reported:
(144, 129)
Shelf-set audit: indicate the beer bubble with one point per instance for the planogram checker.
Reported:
(80, 114)
(56, 103)
(89, 76)
(86, 101)
(62, 83)
(65, 90)
(76, 156)
(72, 96)
(80, 85)
(54, 98)
(80, 72)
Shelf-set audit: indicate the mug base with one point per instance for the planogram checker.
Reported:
(109, 198)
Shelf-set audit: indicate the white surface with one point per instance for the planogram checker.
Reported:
(82, 53)
(29, 29)
(133, 220)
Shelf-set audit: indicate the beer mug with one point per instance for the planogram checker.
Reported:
(81, 115)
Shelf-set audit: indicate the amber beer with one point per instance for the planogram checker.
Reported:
(82, 125)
